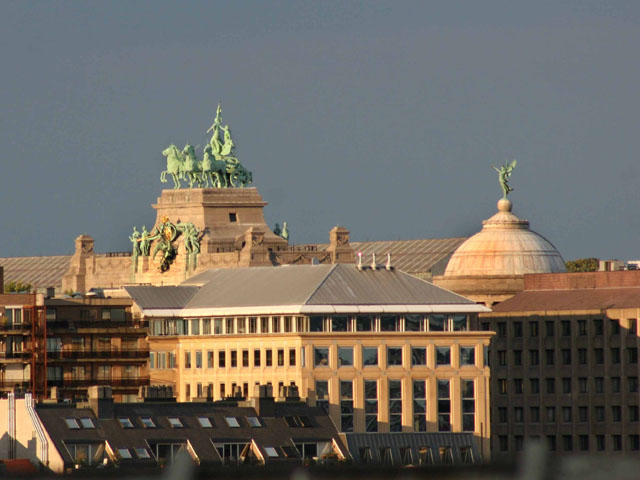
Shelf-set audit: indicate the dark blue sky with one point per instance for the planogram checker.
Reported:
(383, 117)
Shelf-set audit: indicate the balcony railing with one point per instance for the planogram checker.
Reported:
(14, 355)
(66, 324)
(4, 327)
(14, 383)
(87, 382)
(98, 354)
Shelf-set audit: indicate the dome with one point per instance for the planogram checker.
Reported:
(505, 246)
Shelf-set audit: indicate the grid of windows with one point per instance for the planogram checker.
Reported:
(395, 405)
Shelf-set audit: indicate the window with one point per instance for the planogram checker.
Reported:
(125, 422)
(534, 413)
(518, 414)
(615, 327)
(582, 356)
(419, 406)
(617, 442)
(206, 326)
(502, 386)
(233, 217)
(599, 413)
(598, 383)
(205, 422)
(550, 385)
(437, 323)
(175, 422)
(412, 323)
(549, 328)
(345, 356)
(566, 356)
(443, 356)
(616, 413)
(551, 442)
(87, 423)
(394, 356)
(615, 384)
(503, 443)
(467, 356)
(187, 359)
(551, 414)
(615, 354)
(418, 356)
(254, 422)
(232, 422)
(339, 324)
(517, 329)
(632, 354)
(198, 359)
(142, 453)
(566, 385)
(600, 442)
(234, 358)
(217, 326)
(583, 414)
(124, 453)
(292, 357)
(147, 422)
(598, 328)
(634, 414)
(369, 356)
(269, 357)
(271, 452)
(195, 326)
(371, 405)
(634, 442)
(72, 423)
(502, 329)
(222, 356)
(567, 443)
(533, 329)
(517, 357)
(567, 415)
(566, 328)
(209, 358)
(322, 394)
(395, 405)
(444, 406)
(502, 358)
(256, 357)
(281, 357)
(346, 405)
(321, 356)
(275, 324)
(632, 383)
(518, 385)
(582, 327)
(534, 357)
(534, 385)
(582, 385)
(633, 327)
(468, 405)
(502, 415)
(549, 357)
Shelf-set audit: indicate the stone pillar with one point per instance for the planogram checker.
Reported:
(81, 266)
(254, 252)
(339, 247)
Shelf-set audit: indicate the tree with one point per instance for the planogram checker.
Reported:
(582, 265)
(17, 287)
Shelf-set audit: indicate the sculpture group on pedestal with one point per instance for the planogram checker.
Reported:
(219, 165)
(164, 235)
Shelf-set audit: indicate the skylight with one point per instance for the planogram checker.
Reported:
(125, 423)
(232, 422)
(87, 423)
(271, 451)
(205, 422)
(124, 453)
(175, 422)
(147, 422)
(72, 423)
(254, 422)
(142, 453)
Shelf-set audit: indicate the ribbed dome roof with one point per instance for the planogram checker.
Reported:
(505, 246)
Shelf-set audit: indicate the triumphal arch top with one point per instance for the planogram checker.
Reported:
(211, 218)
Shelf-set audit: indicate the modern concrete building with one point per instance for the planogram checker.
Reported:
(564, 364)
(380, 350)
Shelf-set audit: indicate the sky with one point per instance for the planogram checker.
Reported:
(383, 117)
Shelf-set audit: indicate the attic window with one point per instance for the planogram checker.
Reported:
(254, 422)
(142, 453)
(124, 453)
(175, 422)
(87, 423)
(147, 422)
(72, 423)
(233, 217)
(125, 423)
(232, 422)
(271, 452)
(298, 421)
(205, 422)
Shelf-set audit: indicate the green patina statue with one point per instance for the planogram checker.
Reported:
(219, 165)
(504, 172)
(285, 231)
(163, 237)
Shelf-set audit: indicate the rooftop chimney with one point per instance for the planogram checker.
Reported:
(374, 265)
(388, 265)
(263, 400)
(101, 401)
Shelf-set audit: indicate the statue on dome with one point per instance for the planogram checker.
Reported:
(504, 172)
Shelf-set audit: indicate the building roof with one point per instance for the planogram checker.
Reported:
(302, 288)
(505, 246)
(273, 432)
(40, 272)
(579, 299)
(413, 256)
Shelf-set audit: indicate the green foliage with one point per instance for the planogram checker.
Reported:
(582, 265)
(17, 287)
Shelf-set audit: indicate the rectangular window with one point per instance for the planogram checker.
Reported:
(321, 356)
(615, 355)
(364, 323)
(369, 356)
(549, 357)
(195, 326)
(551, 414)
(222, 357)
(281, 357)
(437, 323)
(502, 415)
(346, 405)
(418, 356)
(634, 413)
(616, 413)
(632, 383)
(566, 385)
(256, 357)
(345, 356)
(412, 323)
(187, 359)
(443, 356)
(206, 326)
(549, 328)
(394, 356)
(419, 406)
(264, 325)
(615, 384)
(534, 357)
(253, 325)
(316, 324)
(533, 329)
(229, 326)
(583, 385)
(534, 385)
(518, 385)
(287, 324)
(598, 327)
(583, 414)
(234, 358)
(275, 324)
(502, 358)
(599, 384)
(269, 357)
(460, 323)
(395, 405)
(599, 413)
(582, 356)
(322, 394)
(444, 406)
(245, 358)
(615, 327)
(468, 405)
(340, 323)
(517, 329)
(566, 415)
(518, 414)
(632, 355)
(566, 356)
(517, 357)
(217, 326)
(467, 356)
(198, 358)
(292, 357)
(534, 412)
(371, 405)
(582, 327)
(566, 328)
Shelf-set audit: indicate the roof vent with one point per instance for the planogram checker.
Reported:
(374, 265)
(388, 265)
(359, 266)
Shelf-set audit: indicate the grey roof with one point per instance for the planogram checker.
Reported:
(339, 284)
(413, 256)
(162, 297)
(275, 432)
(376, 442)
(38, 271)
